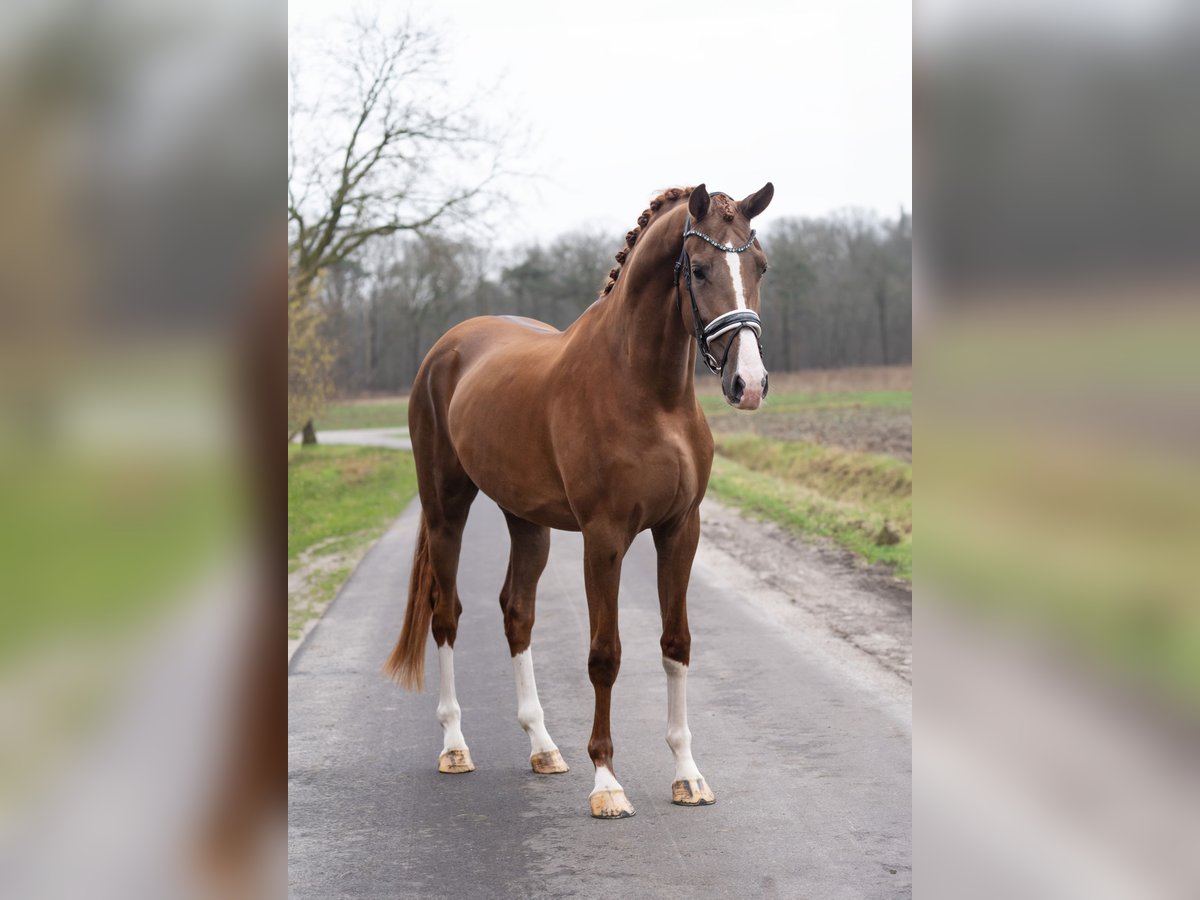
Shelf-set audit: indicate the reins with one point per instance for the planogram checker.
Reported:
(734, 320)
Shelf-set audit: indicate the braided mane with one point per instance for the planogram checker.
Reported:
(668, 196)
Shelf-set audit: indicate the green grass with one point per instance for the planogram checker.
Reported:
(1090, 542)
(797, 401)
(340, 499)
(382, 414)
(394, 413)
(861, 501)
(96, 547)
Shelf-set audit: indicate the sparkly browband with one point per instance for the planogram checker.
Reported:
(728, 248)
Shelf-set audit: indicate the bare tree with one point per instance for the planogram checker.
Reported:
(376, 147)
(387, 152)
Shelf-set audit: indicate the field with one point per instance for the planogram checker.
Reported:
(384, 412)
(828, 455)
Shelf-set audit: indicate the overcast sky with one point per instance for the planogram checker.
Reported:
(623, 99)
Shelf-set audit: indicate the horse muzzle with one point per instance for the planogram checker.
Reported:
(741, 395)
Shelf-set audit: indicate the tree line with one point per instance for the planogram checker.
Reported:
(378, 179)
(838, 293)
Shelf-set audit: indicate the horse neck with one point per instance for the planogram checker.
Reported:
(651, 345)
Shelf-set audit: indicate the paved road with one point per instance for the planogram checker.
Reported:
(391, 438)
(809, 757)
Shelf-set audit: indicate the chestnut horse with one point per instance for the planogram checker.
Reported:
(594, 429)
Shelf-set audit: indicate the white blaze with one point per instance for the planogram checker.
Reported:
(749, 363)
(679, 736)
(734, 261)
(529, 707)
(449, 713)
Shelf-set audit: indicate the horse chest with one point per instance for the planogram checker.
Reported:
(645, 480)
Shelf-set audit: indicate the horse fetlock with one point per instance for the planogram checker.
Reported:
(531, 718)
(449, 713)
(679, 740)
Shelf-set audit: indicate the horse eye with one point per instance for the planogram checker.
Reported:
(698, 272)
(762, 270)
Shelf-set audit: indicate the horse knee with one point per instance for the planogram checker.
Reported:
(604, 661)
(677, 647)
(518, 625)
(445, 620)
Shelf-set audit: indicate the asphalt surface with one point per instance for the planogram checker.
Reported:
(391, 438)
(807, 748)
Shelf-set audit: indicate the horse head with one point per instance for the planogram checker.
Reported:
(723, 265)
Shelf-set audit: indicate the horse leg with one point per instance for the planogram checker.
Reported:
(603, 552)
(676, 545)
(446, 521)
(530, 550)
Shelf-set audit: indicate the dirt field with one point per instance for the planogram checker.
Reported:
(852, 424)
(828, 381)
(862, 428)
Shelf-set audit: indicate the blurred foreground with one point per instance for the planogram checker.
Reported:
(1057, 430)
(141, 264)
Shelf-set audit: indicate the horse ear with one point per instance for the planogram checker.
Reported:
(758, 201)
(698, 202)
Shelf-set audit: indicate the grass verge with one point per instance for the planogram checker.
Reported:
(98, 547)
(861, 501)
(1091, 542)
(389, 413)
(340, 499)
(795, 401)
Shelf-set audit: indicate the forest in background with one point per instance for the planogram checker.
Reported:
(839, 293)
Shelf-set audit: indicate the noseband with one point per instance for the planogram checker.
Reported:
(734, 320)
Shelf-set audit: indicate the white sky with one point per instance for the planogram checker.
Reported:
(624, 99)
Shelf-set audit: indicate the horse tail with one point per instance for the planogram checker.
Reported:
(406, 665)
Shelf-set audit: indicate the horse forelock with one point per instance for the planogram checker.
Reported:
(667, 198)
(725, 206)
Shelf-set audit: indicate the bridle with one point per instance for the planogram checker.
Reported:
(733, 321)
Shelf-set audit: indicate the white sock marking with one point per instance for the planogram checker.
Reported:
(605, 781)
(679, 736)
(449, 713)
(529, 707)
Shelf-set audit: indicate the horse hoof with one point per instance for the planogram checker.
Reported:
(692, 792)
(549, 762)
(611, 805)
(455, 762)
